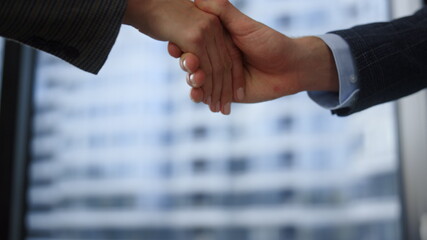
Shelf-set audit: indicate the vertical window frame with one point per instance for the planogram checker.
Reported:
(15, 124)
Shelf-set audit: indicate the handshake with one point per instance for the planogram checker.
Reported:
(230, 57)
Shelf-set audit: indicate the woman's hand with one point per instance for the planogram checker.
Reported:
(194, 31)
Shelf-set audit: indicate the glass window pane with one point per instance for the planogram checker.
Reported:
(126, 155)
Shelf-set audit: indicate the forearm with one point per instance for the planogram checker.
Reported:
(305, 64)
(143, 15)
(316, 67)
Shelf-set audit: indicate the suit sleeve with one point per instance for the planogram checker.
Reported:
(390, 59)
(81, 32)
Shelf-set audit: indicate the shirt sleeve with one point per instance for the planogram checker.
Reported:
(348, 81)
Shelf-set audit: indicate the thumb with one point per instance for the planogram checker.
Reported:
(237, 23)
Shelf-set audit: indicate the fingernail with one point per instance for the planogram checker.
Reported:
(185, 64)
(191, 79)
(227, 109)
(240, 94)
(209, 101)
(181, 65)
(217, 107)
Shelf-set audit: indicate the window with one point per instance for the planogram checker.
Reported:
(238, 165)
(285, 123)
(200, 166)
(324, 196)
(200, 199)
(286, 159)
(200, 132)
(288, 233)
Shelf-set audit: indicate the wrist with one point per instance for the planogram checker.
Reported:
(148, 17)
(136, 11)
(127, 17)
(317, 66)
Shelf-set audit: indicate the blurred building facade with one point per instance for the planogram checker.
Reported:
(126, 155)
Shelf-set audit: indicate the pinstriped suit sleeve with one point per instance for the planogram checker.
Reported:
(81, 32)
(390, 58)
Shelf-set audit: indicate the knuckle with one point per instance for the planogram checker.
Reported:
(195, 37)
(224, 3)
(209, 22)
(212, 20)
(205, 24)
(234, 54)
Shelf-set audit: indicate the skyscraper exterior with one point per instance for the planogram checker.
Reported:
(127, 155)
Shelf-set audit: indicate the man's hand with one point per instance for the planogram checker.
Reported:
(195, 31)
(274, 65)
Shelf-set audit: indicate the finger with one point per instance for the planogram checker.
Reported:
(227, 88)
(218, 54)
(197, 79)
(238, 76)
(196, 95)
(227, 93)
(195, 41)
(174, 50)
(200, 50)
(189, 62)
(206, 67)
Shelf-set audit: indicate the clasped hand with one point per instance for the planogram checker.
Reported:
(228, 56)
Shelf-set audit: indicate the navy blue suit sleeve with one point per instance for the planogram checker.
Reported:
(390, 58)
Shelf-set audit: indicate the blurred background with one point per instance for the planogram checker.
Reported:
(126, 154)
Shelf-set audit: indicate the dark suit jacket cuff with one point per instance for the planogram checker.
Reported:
(80, 32)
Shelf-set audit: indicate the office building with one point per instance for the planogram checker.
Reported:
(127, 155)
